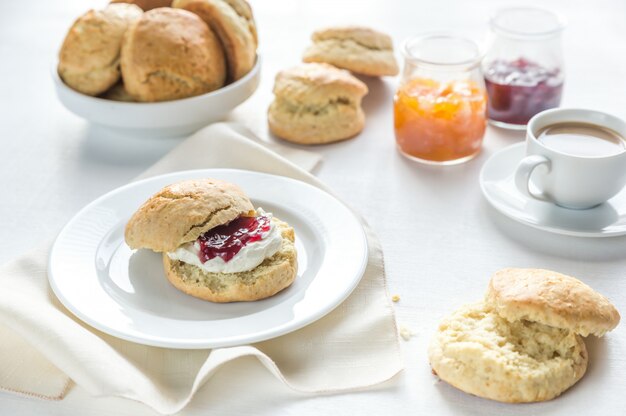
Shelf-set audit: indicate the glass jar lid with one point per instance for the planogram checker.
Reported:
(527, 23)
(442, 49)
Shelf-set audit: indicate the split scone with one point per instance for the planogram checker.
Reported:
(358, 49)
(89, 60)
(215, 245)
(169, 54)
(315, 104)
(233, 22)
(524, 342)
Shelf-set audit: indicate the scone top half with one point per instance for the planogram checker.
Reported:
(552, 299)
(365, 36)
(358, 49)
(318, 85)
(181, 212)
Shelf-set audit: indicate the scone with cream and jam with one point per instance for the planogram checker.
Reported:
(215, 245)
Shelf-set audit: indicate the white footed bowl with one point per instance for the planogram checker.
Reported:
(160, 119)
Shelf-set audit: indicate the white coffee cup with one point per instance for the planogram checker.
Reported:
(571, 181)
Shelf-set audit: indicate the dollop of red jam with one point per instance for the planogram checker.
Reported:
(227, 240)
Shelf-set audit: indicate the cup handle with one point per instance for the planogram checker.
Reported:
(523, 172)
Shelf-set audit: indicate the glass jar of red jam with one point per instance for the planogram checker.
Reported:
(523, 67)
(440, 104)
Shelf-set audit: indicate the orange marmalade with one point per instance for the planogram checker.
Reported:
(440, 121)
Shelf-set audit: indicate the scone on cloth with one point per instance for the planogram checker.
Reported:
(524, 342)
(233, 22)
(358, 49)
(316, 104)
(169, 54)
(146, 4)
(89, 59)
(215, 245)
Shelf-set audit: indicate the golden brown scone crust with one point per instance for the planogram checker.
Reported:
(552, 299)
(146, 4)
(233, 22)
(180, 212)
(89, 59)
(358, 49)
(270, 277)
(170, 54)
(315, 104)
(481, 353)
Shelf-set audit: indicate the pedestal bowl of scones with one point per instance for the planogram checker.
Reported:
(167, 71)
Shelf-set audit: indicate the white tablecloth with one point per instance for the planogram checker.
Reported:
(441, 239)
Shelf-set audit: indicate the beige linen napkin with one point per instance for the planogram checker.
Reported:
(43, 346)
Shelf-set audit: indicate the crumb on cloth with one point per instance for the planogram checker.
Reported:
(405, 333)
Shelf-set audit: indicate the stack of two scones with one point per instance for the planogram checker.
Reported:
(523, 343)
(319, 101)
(166, 53)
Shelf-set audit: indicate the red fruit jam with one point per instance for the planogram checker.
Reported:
(520, 89)
(227, 240)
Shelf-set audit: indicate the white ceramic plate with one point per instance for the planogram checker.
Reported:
(497, 184)
(125, 293)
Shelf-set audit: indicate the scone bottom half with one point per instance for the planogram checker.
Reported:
(274, 274)
(215, 245)
(524, 341)
(481, 353)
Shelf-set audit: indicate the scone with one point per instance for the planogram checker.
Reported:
(146, 4)
(234, 25)
(315, 104)
(215, 245)
(358, 49)
(551, 298)
(169, 54)
(481, 353)
(523, 343)
(89, 59)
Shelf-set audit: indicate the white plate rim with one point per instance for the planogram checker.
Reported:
(234, 341)
(556, 230)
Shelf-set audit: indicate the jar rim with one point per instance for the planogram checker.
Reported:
(559, 23)
(470, 62)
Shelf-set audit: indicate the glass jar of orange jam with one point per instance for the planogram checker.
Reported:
(440, 105)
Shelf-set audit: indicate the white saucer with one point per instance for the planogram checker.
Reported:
(125, 293)
(496, 182)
